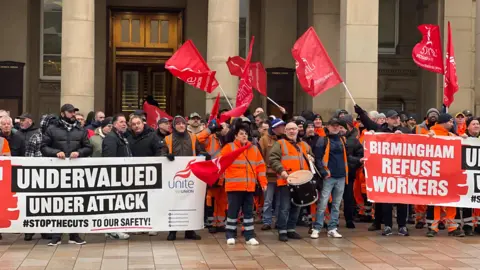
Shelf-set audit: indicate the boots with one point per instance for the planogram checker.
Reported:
(172, 236)
(192, 235)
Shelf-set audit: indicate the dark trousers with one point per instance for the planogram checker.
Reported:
(383, 214)
(58, 236)
(349, 203)
(240, 200)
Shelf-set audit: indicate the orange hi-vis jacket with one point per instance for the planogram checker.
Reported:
(441, 131)
(422, 128)
(461, 129)
(326, 157)
(246, 170)
(4, 147)
(320, 132)
(292, 160)
(212, 145)
(361, 137)
(169, 142)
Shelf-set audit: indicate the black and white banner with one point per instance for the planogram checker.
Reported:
(88, 195)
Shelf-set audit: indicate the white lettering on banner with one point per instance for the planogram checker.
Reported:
(412, 150)
(410, 186)
(92, 195)
(397, 166)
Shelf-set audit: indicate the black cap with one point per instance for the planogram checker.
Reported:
(444, 118)
(163, 120)
(333, 121)
(107, 121)
(391, 113)
(25, 116)
(467, 113)
(68, 108)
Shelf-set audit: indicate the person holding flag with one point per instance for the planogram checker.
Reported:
(241, 178)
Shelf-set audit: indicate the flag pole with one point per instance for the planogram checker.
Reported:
(274, 103)
(226, 97)
(348, 91)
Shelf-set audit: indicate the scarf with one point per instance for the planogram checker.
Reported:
(68, 126)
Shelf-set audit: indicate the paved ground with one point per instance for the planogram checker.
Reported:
(359, 249)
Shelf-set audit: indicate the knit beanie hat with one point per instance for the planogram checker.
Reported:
(433, 110)
(444, 118)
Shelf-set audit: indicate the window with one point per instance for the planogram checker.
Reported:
(244, 39)
(51, 39)
(388, 26)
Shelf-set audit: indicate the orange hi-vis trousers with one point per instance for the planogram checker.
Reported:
(434, 216)
(365, 208)
(420, 213)
(217, 198)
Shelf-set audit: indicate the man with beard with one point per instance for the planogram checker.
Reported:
(300, 121)
(411, 122)
(163, 128)
(99, 117)
(66, 140)
(27, 127)
(183, 144)
(195, 123)
(383, 211)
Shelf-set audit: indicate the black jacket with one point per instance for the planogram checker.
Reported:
(26, 134)
(16, 143)
(354, 152)
(145, 144)
(94, 125)
(369, 124)
(160, 135)
(58, 139)
(115, 145)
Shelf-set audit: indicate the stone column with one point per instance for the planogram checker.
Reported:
(460, 13)
(78, 65)
(359, 52)
(222, 42)
(326, 21)
(477, 58)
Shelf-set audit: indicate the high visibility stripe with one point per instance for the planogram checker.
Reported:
(262, 174)
(215, 147)
(282, 231)
(244, 162)
(291, 230)
(231, 220)
(249, 228)
(248, 220)
(231, 227)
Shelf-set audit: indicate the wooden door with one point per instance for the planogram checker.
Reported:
(135, 83)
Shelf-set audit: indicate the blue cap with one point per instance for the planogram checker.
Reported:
(277, 122)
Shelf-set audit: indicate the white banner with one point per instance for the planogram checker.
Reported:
(99, 195)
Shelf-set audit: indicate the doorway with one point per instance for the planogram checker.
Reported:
(140, 44)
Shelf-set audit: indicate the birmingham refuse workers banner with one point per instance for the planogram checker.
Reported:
(422, 170)
(99, 195)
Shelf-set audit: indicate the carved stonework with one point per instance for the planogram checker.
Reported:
(49, 87)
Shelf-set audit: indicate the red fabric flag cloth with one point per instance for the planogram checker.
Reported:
(214, 112)
(210, 171)
(189, 66)
(257, 72)
(235, 112)
(427, 54)
(245, 93)
(450, 86)
(154, 114)
(315, 70)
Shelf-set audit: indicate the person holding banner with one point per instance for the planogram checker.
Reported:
(241, 178)
(63, 140)
(443, 126)
(4, 151)
(288, 155)
(383, 211)
(184, 144)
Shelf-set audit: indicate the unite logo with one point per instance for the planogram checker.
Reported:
(181, 182)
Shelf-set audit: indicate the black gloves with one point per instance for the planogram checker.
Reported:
(213, 126)
(358, 109)
(171, 157)
(208, 157)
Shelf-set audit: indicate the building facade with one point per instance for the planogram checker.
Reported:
(110, 54)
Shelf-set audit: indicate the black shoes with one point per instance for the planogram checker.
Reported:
(192, 235)
(350, 225)
(28, 237)
(172, 236)
(283, 237)
(294, 235)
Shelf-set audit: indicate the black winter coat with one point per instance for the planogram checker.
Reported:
(354, 152)
(145, 144)
(58, 139)
(16, 143)
(115, 145)
(27, 133)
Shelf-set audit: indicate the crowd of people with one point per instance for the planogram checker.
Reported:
(255, 188)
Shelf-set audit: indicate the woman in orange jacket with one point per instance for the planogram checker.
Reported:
(241, 178)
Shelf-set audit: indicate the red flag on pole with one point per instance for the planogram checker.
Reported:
(315, 70)
(154, 114)
(214, 112)
(245, 93)
(235, 112)
(210, 171)
(257, 72)
(189, 66)
(427, 54)
(451, 80)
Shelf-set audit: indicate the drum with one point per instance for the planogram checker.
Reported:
(302, 189)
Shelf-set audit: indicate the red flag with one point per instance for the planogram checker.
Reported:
(257, 72)
(235, 112)
(315, 70)
(210, 171)
(245, 93)
(427, 54)
(450, 86)
(154, 114)
(214, 112)
(189, 66)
